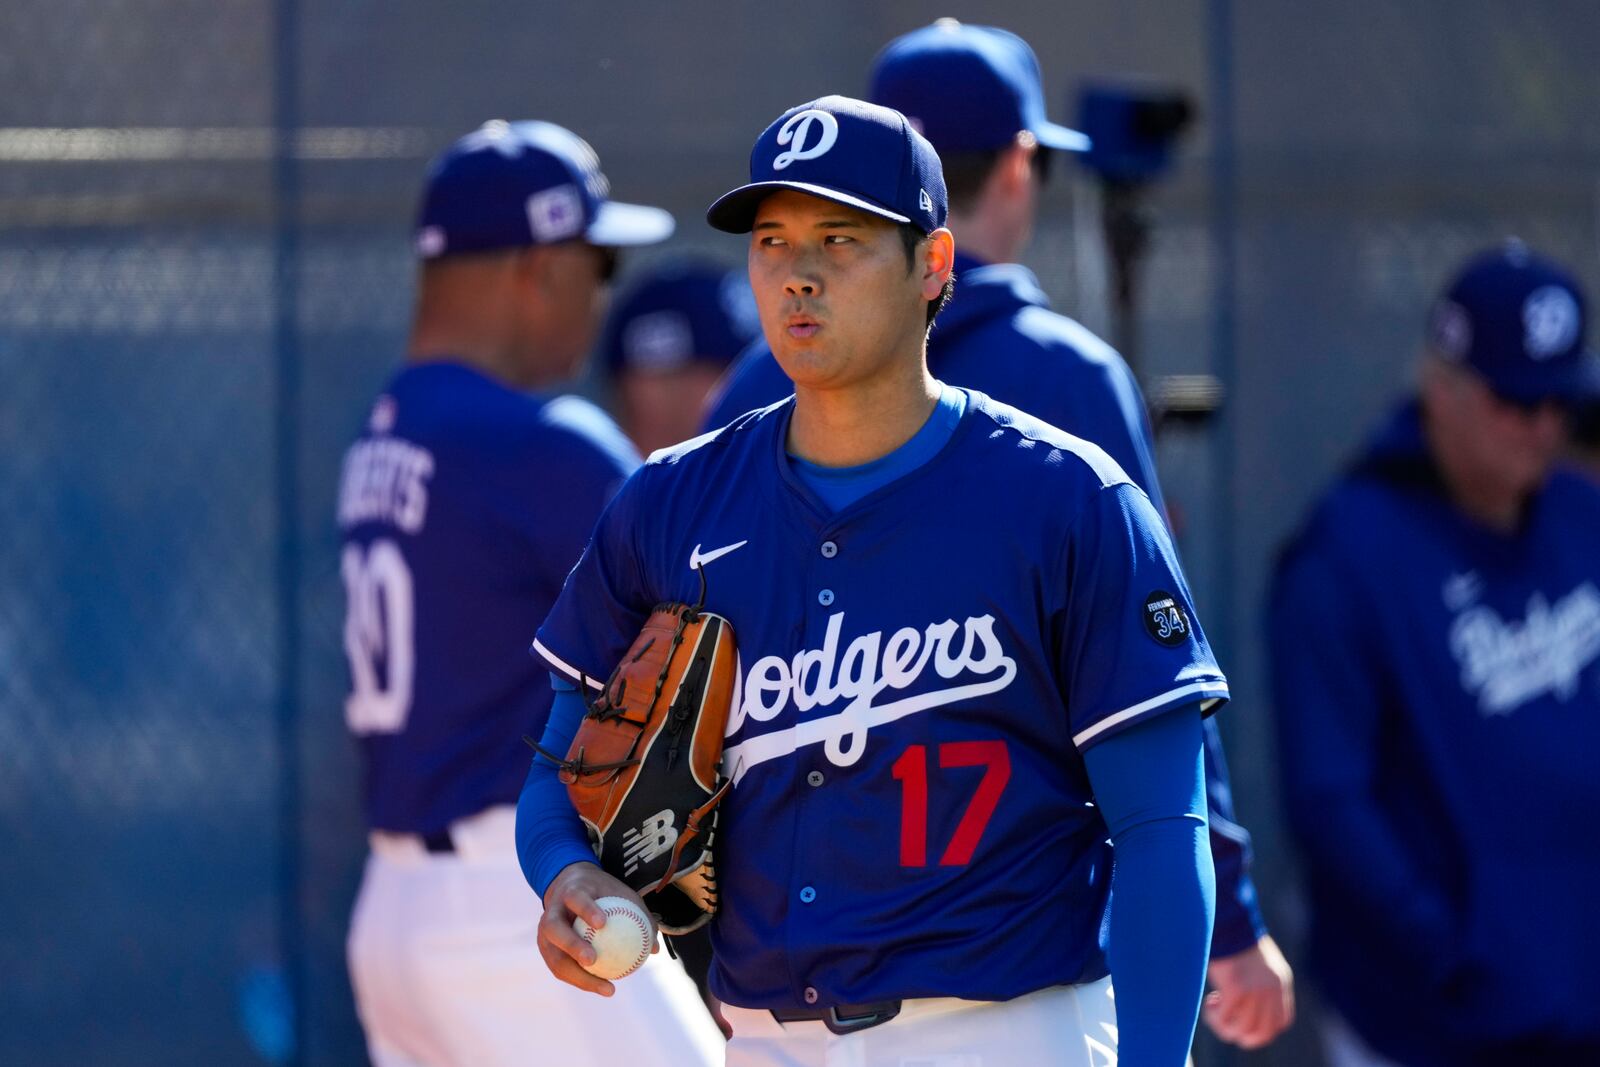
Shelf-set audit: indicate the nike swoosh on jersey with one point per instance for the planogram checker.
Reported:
(696, 560)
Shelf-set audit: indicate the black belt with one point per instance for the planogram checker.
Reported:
(438, 841)
(842, 1018)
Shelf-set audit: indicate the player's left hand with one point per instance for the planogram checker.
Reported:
(1252, 997)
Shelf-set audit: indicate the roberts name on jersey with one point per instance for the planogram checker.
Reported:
(385, 480)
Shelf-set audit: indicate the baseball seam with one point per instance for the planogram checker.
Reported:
(615, 911)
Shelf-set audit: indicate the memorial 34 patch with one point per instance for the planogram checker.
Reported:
(1165, 619)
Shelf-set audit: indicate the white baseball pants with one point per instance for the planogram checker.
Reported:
(447, 972)
(1064, 1026)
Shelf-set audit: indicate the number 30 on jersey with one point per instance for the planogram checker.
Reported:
(379, 637)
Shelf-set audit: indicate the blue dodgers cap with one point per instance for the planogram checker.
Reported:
(847, 151)
(680, 312)
(510, 184)
(1519, 320)
(968, 88)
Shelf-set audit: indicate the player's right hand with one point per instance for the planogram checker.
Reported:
(570, 896)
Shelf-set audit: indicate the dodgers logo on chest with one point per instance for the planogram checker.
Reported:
(854, 689)
(1508, 662)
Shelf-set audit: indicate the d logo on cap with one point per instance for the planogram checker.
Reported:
(1549, 321)
(797, 129)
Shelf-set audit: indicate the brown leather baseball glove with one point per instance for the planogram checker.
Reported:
(643, 770)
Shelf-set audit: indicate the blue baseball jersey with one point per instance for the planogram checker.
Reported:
(1438, 695)
(461, 508)
(998, 335)
(918, 684)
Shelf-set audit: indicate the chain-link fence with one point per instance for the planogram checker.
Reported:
(205, 273)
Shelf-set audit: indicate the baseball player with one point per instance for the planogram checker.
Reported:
(969, 663)
(462, 507)
(975, 92)
(668, 340)
(1436, 652)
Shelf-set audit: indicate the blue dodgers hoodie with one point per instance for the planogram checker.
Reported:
(1437, 687)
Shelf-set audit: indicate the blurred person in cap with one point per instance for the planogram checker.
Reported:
(1435, 644)
(462, 506)
(975, 92)
(667, 341)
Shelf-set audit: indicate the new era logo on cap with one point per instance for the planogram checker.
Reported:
(847, 151)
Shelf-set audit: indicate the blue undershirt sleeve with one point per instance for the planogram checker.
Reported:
(550, 836)
(1149, 783)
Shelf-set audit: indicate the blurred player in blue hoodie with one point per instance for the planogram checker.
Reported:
(1435, 634)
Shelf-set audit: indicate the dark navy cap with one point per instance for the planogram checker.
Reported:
(510, 184)
(968, 88)
(847, 151)
(1517, 319)
(680, 312)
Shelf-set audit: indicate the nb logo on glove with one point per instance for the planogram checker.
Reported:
(645, 843)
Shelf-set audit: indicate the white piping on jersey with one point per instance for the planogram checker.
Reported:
(566, 668)
(1215, 689)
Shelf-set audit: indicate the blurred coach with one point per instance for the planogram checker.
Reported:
(1435, 637)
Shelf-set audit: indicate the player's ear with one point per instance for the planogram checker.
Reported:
(938, 260)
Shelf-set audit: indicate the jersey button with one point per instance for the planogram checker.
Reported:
(807, 895)
(825, 597)
(811, 994)
(829, 550)
(814, 778)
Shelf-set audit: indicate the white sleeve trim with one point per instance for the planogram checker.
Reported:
(566, 668)
(1215, 689)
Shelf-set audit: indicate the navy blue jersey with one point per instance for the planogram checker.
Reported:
(918, 684)
(462, 508)
(1438, 693)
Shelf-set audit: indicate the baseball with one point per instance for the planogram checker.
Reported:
(623, 944)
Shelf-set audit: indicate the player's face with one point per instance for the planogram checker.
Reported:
(661, 408)
(1523, 442)
(1508, 447)
(839, 304)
